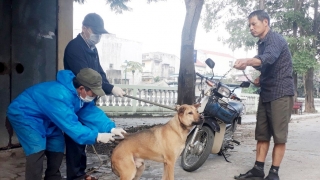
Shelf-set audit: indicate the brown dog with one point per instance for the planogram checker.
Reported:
(162, 143)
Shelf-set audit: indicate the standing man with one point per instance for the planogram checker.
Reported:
(276, 96)
(81, 53)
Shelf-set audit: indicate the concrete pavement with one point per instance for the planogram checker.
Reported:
(247, 119)
(301, 160)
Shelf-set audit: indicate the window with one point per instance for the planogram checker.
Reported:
(143, 64)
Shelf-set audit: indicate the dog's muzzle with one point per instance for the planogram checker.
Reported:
(200, 121)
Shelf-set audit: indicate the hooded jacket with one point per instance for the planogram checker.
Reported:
(46, 106)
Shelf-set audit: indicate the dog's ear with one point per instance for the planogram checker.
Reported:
(181, 109)
(197, 105)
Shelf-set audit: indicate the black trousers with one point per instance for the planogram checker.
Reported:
(76, 158)
(34, 166)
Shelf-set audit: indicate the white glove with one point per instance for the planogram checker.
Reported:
(117, 91)
(105, 137)
(118, 131)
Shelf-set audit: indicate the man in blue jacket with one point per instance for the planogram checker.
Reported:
(81, 53)
(42, 113)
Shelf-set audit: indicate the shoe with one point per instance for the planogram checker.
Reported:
(273, 175)
(254, 174)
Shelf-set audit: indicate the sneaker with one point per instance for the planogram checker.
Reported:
(255, 173)
(273, 175)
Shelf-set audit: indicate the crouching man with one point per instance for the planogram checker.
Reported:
(42, 113)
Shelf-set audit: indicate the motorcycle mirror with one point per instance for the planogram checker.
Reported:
(245, 84)
(210, 63)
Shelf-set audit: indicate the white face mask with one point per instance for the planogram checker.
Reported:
(87, 98)
(93, 38)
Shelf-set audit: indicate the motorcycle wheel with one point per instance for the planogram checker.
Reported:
(193, 158)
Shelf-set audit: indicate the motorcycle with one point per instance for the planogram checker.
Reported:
(222, 110)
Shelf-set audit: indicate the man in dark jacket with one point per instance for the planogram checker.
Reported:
(81, 53)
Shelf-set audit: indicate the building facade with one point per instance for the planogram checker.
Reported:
(159, 66)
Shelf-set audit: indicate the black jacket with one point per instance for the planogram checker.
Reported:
(78, 55)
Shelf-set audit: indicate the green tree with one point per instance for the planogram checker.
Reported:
(133, 67)
(291, 18)
(157, 79)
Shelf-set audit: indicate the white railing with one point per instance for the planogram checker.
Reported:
(116, 106)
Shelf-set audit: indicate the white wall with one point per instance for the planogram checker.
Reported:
(222, 61)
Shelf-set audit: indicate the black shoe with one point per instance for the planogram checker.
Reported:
(254, 174)
(273, 175)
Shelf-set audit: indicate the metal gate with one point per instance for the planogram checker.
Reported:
(28, 52)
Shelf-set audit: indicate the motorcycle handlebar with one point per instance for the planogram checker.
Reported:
(234, 96)
(200, 75)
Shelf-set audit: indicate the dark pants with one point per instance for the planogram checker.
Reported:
(273, 119)
(34, 166)
(76, 158)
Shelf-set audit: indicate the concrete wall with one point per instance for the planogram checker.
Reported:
(65, 28)
(31, 44)
(5, 65)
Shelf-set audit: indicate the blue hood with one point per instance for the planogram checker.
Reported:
(65, 77)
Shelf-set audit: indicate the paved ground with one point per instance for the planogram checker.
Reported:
(301, 161)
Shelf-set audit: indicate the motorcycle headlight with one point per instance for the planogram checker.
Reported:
(224, 91)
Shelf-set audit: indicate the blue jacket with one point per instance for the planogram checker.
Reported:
(44, 106)
(78, 56)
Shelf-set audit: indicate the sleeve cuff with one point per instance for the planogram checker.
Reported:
(258, 67)
(107, 88)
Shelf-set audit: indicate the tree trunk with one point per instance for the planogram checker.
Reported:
(261, 4)
(186, 80)
(309, 99)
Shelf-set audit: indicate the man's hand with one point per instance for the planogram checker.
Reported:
(240, 64)
(257, 82)
(118, 131)
(117, 91)
(105, 137)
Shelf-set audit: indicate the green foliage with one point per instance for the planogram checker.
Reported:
(304, 53)
(133, 66)
(157, 79)
(118, 6)
(293, 19)
(239, 36)
(250, 90)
